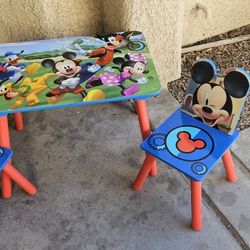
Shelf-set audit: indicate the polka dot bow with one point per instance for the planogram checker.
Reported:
(136, 57)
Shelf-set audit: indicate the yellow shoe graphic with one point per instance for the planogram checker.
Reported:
(95, 94)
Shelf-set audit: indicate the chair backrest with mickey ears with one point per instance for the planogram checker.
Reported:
(216, 99)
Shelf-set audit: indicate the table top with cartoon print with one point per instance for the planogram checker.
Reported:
(73, 71)
(188, 144)
(5, 155)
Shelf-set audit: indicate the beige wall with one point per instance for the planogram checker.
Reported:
(206, 18)
(39, 19)
(160, 21)
(154, 20)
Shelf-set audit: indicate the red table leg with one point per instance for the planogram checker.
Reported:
(143, 173)
(229, 166)
(17, 177)
(142, 113)
(18, 121)
(196, 203)
(10, 172)
(5, 142)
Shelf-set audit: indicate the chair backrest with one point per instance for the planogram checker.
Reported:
(216, 99)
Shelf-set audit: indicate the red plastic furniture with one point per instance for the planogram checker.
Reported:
(8, 170)
(193, 142)
(74, 71)
(18, 119)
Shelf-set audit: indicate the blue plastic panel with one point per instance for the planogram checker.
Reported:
(188, 145)
(5, 155)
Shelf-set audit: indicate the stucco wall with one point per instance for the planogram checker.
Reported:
(160, 21)
(39, 19)
(206, 18)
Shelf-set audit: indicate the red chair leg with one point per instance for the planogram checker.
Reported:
(229, 166)
(143, 173)
(196, 203)
(142, 113)
(18, 118)
(9, 173)
(5, 142)
(17, 177)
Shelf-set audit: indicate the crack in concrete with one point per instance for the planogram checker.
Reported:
(224, 221)
(217, 212)
(222, 218)
(242, 166)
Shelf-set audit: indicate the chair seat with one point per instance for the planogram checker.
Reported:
(5, 155)
(188, 145)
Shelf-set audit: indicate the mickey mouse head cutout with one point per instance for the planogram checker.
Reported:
(218, 104)
(187, 145)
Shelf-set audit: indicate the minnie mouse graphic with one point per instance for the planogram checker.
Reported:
(132, 68)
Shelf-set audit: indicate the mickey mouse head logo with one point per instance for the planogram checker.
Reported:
(187, 145)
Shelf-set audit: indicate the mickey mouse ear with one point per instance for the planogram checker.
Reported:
(203, 71)
(236, 82)
(69, 55)
(47, 63)
(118, 60)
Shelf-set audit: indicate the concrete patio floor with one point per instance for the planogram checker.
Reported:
(83, 161)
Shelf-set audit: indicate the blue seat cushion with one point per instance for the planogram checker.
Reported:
(188, 145)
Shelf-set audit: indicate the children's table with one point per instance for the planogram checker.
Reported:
(74, 71)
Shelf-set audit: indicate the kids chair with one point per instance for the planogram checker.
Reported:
(5, 157)
(195, 137)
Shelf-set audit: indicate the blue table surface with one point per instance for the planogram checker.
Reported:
(25, 61)
(188, 145)
(5, 155)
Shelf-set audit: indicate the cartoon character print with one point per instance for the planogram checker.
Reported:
(132, 66)
(105, 54)
(28, 90)
(11, 70)
(68, 72)
(70, 75)
(133, 40)
(5, 75)
(12, 58)
(13, 84)
(212, 102)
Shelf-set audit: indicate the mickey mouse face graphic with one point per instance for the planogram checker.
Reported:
(212, 102)
(67, 67)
